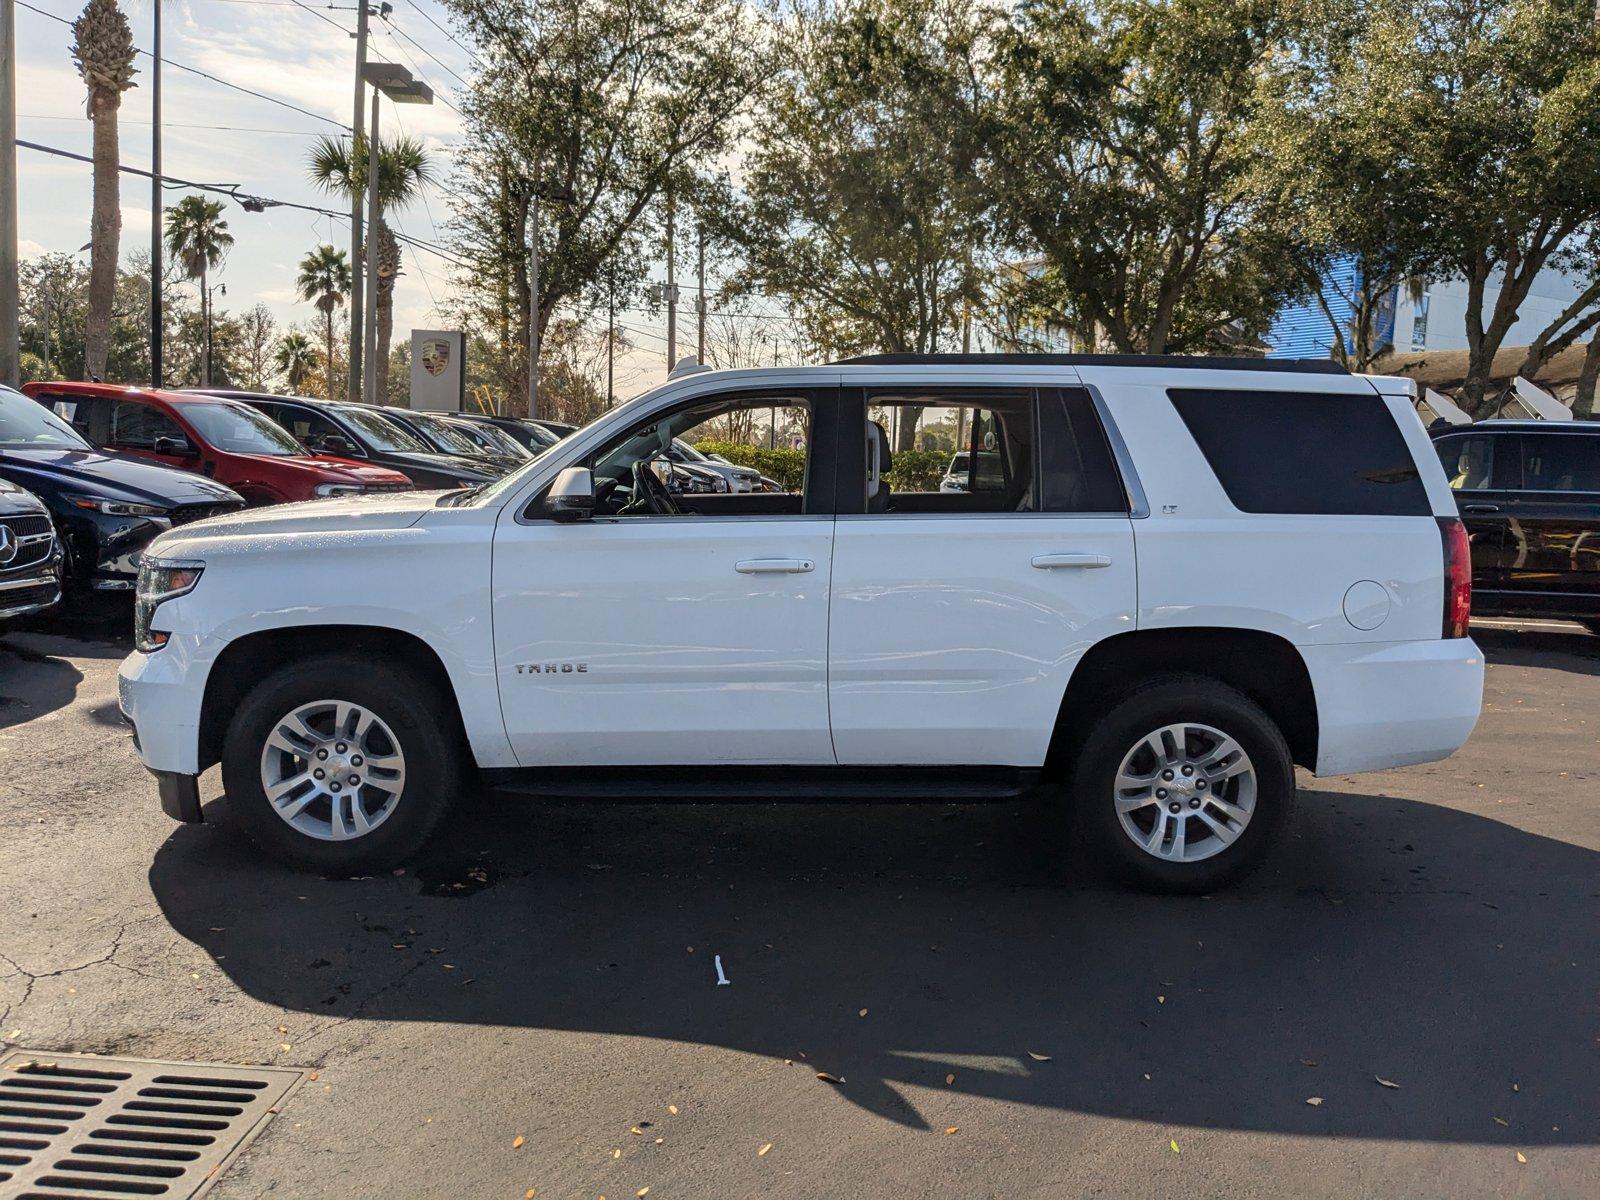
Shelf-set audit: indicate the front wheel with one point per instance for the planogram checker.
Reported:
(341, 764)
(1183, 786)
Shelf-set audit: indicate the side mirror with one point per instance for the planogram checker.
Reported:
(176, 447)
(571, 496)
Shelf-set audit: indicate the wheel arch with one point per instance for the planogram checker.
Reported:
(1264, 666)
(248, 658)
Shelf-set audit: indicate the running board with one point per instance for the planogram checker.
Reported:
(722, 783)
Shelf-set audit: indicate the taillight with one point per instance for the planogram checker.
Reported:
(1457, 577)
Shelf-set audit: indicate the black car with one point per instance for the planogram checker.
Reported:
(361, 431)
(30, 556)
(447, 435)
(531, 435)
(106, 507)
(1529, 494)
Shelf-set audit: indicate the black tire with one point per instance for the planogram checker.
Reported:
(424, 726)
(1165, 701)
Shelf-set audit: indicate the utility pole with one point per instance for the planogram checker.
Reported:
(611, 339)
(533, 303)
(156, 201)
(700, 302)
(672, 295)
(369, 380)
(357, 301)
(10, 298)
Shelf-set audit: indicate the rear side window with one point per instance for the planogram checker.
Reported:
(1560, 462)
(1304, 452)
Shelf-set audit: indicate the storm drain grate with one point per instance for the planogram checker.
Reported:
(78, 1125)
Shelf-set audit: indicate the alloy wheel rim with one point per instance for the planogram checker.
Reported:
(332, 770)
(1185, 792)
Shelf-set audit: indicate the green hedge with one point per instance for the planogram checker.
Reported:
(914, 470)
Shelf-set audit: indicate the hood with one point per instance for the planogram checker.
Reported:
(361, 472)
(343, 514)
(16, 502)
(470, 470)
(115, 477)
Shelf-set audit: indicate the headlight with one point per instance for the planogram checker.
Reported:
(338, 489)
(116, 508)
(160, 579)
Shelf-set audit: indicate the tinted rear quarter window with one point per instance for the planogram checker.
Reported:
(1560, 462)
(1304, 452)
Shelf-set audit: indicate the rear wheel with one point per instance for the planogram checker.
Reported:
(341, 764)
(1183, 786)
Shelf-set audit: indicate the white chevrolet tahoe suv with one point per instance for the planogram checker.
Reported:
(1184, 577)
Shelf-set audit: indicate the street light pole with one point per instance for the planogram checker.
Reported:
(369, 383)
(156, 198)
(672, 294)
(357, 308)
(10, 299)
(533, 303)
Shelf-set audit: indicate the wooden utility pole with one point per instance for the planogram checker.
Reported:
(157, 204)
(700, 297)
(358, 308)
(672, 294)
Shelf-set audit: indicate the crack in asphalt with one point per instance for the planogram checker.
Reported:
(33, 977)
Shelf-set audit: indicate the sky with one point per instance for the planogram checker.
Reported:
(300, 54)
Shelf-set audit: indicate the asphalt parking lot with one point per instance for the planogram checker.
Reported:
(999, 1024)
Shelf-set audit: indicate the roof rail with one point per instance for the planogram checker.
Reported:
(1296, 366)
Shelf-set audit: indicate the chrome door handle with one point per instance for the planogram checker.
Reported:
(1480, 508)
(1055, 562)
(774, 566)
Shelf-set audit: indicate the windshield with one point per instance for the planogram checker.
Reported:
(379, 432)
(25, 425)
(689, 452)
(445, 436)
(235, 429)
(493, 438)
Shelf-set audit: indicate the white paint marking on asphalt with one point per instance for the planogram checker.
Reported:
(722, 980)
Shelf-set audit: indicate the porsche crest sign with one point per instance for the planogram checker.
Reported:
(438, 369)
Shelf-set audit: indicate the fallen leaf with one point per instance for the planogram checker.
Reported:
(673, 1109)
(530, 1194)
(1388, 1083)
(1516, 1087)
(1038, 1057)
(1161, 999)
(952, 1129)
(827, 1078)
(1308, 1062)
(660, 1140)
(1174, 1145)
(616, 1154)
(1314, 1101)
(762, 1153)
(862, 1013)
(949, 1079)
(285, 1046)
(636, 1131)
(644, 1191)
(1502, 1121)
(312, 1077)
(516, 1142)
(1521, 1157)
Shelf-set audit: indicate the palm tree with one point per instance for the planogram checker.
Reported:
(198, 239)
(102, 46)
(296, 358)
(403, 168)
(325, 278)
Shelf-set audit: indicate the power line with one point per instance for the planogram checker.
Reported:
(452, 37)
(324, 17)
(438, 93)
(305, 112)
(121, 120)
(395, 29)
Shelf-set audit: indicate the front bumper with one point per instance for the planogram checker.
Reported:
(1393, 704)
(31, 593)
(160, 694)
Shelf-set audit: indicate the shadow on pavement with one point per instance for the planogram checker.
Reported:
(26, 670)
(1578, 651)
(1449, 953)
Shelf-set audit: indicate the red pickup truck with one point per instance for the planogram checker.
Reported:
(228, 441)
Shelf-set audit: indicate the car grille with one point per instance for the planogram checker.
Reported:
(36, 541)
(186, 513)
(15, 599)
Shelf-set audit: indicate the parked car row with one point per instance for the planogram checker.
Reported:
(92, 472)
